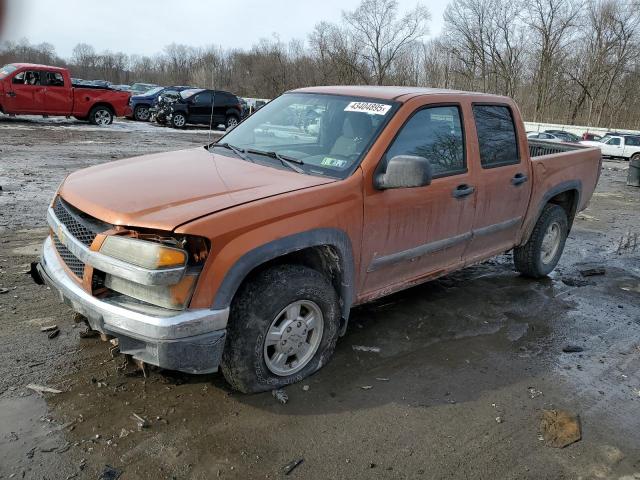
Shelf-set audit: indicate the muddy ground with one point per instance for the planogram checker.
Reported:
(465, 367)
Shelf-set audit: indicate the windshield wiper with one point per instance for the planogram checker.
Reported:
(286, 161)
(236, 150)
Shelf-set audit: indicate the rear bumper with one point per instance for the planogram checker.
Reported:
(189, 341)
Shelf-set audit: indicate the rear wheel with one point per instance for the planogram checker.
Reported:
(635, 157)
(231, 122)
(283, 327)
(142, 113)
(540, 255)
(101, 115)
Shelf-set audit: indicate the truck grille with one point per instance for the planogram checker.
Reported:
(73, 262)
(81, 226)
(78, 226)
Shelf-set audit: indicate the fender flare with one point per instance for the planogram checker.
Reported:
(276, 248)
(549, 194)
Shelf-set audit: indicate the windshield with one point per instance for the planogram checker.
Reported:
(190, 92)
(323, 134)
(153, 91)
(6, 70)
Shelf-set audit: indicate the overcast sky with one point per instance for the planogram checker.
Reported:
(146, 26)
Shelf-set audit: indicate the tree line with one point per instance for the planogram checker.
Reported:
(564, 61)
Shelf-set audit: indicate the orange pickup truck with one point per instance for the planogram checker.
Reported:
(248, 254)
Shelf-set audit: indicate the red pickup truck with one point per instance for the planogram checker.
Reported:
(250, 253)
(29, 89)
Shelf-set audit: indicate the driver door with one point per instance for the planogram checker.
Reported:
(200, 109)
(411, 233)
(26, 93)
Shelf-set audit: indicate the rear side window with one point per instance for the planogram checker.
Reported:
(434, 133)
(496, 135)
(55, 79)
(633, 141)
(203, 98)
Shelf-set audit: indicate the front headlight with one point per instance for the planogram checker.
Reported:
(174, 297)
(143, 253)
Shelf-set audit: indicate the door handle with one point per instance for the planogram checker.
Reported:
(11, 94)
(519, 179)
(463, 190)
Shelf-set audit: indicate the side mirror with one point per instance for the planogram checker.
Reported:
(405, 171)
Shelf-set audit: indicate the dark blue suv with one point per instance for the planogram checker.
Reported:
(141, 104)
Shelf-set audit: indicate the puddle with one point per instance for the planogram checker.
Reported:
(25, 432)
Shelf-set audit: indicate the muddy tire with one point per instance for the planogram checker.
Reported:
(540, 255)
(273, 339)
(635, 157)
(101, 115)
(141, 113)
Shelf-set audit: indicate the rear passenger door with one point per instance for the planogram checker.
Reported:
(410, 233)
(503, 181)
(57, 96)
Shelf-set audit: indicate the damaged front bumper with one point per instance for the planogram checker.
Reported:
(189, 341)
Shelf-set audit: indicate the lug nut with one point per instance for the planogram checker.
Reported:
(299, 324)
(288, 329)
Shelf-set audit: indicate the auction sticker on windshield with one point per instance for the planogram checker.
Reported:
(367, 107)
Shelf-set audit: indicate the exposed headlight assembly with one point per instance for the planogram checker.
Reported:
(143, 253)
(174, 297)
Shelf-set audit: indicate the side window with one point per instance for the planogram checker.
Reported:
(436, 134)
(496, 135)
(55, 79)
(614, 141)
(19, 79)
(203, 98)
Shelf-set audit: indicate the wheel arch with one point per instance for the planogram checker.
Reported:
(104, 104)
(567, 195)
(327, 250)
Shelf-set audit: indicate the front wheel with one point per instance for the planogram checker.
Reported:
(178, 120)
(101, 116)
(540, 255)
(283, 327)
(142, 113)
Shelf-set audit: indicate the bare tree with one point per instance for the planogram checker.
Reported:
(380, 37)
(575, 61)
(552, 22)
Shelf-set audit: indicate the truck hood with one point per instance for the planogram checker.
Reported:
(165, 190)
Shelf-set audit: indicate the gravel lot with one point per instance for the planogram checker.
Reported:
(466, 364)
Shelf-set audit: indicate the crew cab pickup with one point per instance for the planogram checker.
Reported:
(28, 89)
(250, 253)
(617, 146)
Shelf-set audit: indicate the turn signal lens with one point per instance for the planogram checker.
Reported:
(143, 253)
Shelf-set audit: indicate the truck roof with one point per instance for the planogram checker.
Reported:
(392, 92)
(36, 65)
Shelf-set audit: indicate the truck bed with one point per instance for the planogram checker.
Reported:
(538, 148)
(571, 166)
